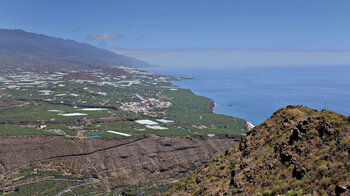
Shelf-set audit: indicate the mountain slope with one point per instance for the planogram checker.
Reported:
(297, 151)
(115, 162)
(25, 50)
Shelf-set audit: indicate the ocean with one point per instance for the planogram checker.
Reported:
(253, 94)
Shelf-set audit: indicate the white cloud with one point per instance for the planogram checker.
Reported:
(103, 36)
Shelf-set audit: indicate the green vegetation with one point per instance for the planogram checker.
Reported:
(46, 187)
(47, 182)
(89, 190)
(188, 110)
(140, 189)
(10, 130)
(31, 174)
(63, 128)
(173, 130)
(193, 109)
(39, 111)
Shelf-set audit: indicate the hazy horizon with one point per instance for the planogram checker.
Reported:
(235, 58)
(224, 34)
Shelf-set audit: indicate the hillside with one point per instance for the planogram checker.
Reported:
(151, 161)
(297, 151)
(28, 51)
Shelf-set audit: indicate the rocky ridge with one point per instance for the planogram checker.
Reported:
(295, 152)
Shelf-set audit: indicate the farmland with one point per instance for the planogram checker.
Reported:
(75, 106)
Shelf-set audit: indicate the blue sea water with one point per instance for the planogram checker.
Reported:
(254, 94)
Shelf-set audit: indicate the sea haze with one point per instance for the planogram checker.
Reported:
(255, 93)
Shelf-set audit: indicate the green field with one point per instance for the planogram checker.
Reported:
(63, 128)
(39, 111)
(11, 130)
(140, 189)
(34, 183)
(188, 107)
(188, 110)
(46, 187)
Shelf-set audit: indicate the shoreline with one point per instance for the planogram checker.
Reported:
(212, 104)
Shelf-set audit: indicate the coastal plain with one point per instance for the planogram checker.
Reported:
(107, 130)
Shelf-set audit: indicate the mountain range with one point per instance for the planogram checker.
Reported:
(31, 51)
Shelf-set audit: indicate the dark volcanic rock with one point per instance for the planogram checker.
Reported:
(297, 151)
(211, 106)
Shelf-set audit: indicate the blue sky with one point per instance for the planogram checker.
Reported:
(196, 32)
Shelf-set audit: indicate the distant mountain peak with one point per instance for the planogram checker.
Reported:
(31, 51)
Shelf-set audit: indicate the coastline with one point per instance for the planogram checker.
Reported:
(173, 78)
(236, 91)
(211, 105)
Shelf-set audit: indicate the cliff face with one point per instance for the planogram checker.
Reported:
(119, 162)
(297, 151)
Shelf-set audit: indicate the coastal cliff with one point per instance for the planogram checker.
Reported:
(297, 151)
(211, 106)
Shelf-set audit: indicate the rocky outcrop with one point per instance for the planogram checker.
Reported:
(249, 125)
(297, 151)
(118, 162)
(211, 106)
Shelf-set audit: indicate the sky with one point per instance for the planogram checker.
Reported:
(196, 33)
